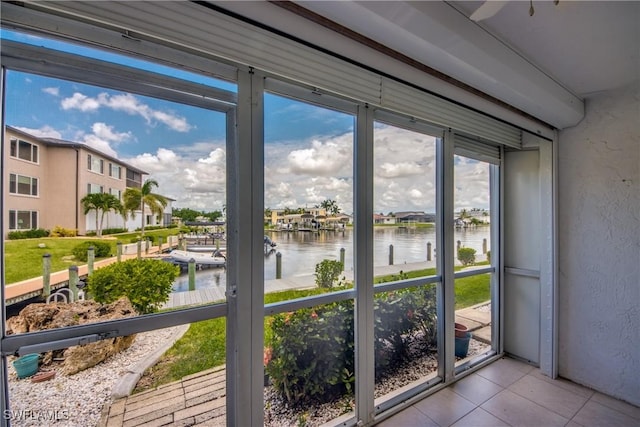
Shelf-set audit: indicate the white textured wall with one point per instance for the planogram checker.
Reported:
(599, 246)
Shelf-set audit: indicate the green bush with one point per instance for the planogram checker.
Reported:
(401, 317)
(35, 233)
(489, 256)
(63, 232)
(310, 353)
(327, 273)
(100, 250)
(135, 239)
(146, 282)
(106, 231)
(467, 256)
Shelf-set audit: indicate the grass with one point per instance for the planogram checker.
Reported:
(23, 258)
(203, 345)
(132, 236)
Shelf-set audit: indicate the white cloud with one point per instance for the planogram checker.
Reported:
(55, 91)
(304, 173)
(43, 132)
(199, 184)
(322, 158)
(106, 132)
(471, 180)
(396, 170)
(129, 104)
(99, 144)
(80, 102)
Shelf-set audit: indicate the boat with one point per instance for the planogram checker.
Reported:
(215, 258)
(205, 248)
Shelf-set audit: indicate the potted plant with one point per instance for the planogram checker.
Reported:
(462, 340)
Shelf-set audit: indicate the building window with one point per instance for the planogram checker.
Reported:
(20, 184)
(115, 192)
(115, 171)
(24, 150)
(94, 188)
(134, 179)
(23, 220)
(95, 164)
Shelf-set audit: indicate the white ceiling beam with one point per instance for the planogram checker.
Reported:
(440, 37)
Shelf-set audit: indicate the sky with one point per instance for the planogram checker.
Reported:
(308, 149)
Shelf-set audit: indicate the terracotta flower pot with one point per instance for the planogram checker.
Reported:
(461, 330)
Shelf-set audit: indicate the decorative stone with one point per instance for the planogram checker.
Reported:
(41, 316)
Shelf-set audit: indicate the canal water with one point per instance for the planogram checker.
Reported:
(301, 251)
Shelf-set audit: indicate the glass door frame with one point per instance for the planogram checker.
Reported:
(245, 309)
(31, 59)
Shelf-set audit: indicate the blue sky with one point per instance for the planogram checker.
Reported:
(308, 149)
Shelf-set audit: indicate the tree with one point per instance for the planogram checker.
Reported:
(136, 199)
(213, 216)
(101, 203)
(185, 214)
(330, 206)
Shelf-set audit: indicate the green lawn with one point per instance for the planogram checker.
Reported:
(23, 258)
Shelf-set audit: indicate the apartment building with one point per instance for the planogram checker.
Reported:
(45, 179)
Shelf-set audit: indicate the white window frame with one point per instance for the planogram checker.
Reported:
(31, 179)
(15, 212)
(244, 307)
(116, 167)
(34, 148)
(94, 162)
(94, 188)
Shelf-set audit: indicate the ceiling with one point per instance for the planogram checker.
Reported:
(544, 64)
(588, 46)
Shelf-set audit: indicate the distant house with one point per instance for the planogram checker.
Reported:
(45, 179)
(383, 219)
(414, 217)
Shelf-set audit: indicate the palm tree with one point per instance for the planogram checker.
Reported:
(136, 198)
(330, 206)
(101, 203)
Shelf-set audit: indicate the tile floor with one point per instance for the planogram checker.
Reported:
(511, 393)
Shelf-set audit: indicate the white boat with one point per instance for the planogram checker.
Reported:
(205, 248)
(201, 258)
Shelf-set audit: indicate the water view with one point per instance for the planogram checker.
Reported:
(301, 251)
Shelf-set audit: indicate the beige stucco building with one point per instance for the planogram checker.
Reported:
(45, 179)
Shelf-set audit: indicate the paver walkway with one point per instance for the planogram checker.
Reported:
(196, 400)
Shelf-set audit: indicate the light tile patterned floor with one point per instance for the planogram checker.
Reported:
(511, 393)
(505, 393)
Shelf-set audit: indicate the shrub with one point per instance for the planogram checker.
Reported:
(489, 256)
(35, 233)
(63, 232)
(146, 282)
(399, 316)
(100, 250)
(106, 231)
(311, 353)
(467, 256)
(327, 273)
